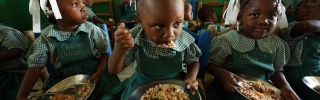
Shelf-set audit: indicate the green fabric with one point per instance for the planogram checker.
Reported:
(184, 44)
(222, 45)
(11, 38)
(43, 50)
(128, 14)
(76, 58)
(254, 63)
(149, 70)
(185, 24)
(9, 85)
(310, 67)
(91, 14)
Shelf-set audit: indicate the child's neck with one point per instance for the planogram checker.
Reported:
(66, 28)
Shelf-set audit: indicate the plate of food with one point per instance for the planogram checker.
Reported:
(256, 89)
(170, 89)
(312, 82)
(77, 87)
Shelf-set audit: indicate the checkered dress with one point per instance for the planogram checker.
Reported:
(44, 47)
(185, 44)
(221, 47)
(11, 38)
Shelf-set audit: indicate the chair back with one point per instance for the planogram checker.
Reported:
(204, 43)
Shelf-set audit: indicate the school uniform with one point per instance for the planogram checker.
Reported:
(258, 58)
(185, 24)
(72, 53)
(205, 25)
(304, 61)
(154, 63)
(128, 16)
(12, 70)
(91, 14)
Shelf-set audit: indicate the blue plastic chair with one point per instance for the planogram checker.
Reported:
(204, 43)
(105, 29)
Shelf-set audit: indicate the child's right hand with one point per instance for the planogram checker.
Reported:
(230, 80)
(123, 37)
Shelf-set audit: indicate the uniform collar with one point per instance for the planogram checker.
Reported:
(62, 36)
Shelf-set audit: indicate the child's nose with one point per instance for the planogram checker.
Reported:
(263, 20)
(83, 7)
(169, 33)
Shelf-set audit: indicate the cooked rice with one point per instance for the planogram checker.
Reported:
(261, 92)
(165, 92)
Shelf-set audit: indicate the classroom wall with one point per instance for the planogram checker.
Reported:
(15, 13)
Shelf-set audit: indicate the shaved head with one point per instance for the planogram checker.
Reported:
(158, 6)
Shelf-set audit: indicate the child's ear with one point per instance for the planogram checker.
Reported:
(138, 19)
(239, 17)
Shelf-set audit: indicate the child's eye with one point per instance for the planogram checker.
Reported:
(75, 5)
(254, 15)
(158, 26)
(177, 24)
(272, 15)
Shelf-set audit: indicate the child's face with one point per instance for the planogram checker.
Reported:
(313, 7)
(161, 19)
(214, 17)
(188, 15)
(73, 12)
(259, 18)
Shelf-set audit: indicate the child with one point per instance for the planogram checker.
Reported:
(303, 38)
(254, 51)
(93, 18)
(128, 8)
(13, 45)
(188, 15)
(73, 46)
(208, 18)
(160, 23)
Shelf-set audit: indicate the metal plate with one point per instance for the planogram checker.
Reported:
(137, 94)
(312, 82)
(250, 78)
(76, 81)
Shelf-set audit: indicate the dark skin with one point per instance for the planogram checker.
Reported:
(188, 15)
(10, 54)
(162, 23)
(259, 19)
(310, 22)
(73, 14)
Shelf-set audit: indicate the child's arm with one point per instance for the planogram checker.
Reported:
(308, 26)
(280, 81)
(98, 20)
(101, 67)
(10, 54)
(29, 80)
(227, 78)
(192, 72)
(124, 42)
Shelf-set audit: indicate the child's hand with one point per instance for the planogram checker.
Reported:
(288, 94)
(192, 85)
(95, 77)
(229, 80)
(123, 37)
